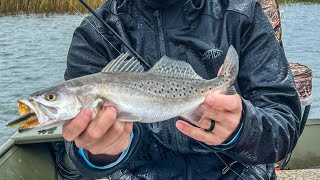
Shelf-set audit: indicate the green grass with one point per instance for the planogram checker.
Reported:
(11, 7)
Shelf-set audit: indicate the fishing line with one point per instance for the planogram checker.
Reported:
(94, 27)
(228, 166)
(115, 34)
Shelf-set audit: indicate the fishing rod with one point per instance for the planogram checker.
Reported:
(142, 61)
(115, 34)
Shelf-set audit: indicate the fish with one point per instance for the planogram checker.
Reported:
(171, 88)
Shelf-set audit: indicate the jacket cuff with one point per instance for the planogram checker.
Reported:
(235, 137)
(83, 153)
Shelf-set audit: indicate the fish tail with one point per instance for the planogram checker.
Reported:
(228, 75)
(230, 66)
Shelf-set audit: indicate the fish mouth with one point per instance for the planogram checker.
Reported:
(32, 115)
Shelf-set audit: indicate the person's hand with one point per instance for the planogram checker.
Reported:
(225, 110)
(102, 135)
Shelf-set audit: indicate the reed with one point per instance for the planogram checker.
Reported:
(298, 1)
(11, 7)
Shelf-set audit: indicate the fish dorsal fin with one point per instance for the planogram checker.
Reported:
(121, 64)
(175, 68)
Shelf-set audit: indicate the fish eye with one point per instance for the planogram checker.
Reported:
(51, 97)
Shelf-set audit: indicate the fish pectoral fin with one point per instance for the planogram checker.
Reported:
(127, 117)
(194, 115)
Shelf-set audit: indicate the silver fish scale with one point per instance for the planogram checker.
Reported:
(167, 86)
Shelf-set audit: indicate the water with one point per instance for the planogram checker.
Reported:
(301, 38)
(33, 52)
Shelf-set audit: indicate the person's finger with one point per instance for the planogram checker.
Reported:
(119, 146)
(219, 129)
(227, 102)
(128, 127)
(204, 123)
(199, 134)
(102, 122)
(87, 141)
(75, 127)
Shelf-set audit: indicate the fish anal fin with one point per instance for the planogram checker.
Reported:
(127, 117)
(194, 115)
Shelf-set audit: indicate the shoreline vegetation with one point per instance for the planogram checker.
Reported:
(14, 7)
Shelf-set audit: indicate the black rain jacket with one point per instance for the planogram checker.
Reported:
(199, 32)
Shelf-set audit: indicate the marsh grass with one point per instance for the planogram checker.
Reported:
(12, 7)
(298, 1)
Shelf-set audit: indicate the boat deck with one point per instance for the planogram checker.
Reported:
(302, 174)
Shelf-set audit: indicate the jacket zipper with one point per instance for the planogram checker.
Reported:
(160, 33)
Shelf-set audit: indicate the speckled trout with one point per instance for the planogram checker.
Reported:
(169, 89)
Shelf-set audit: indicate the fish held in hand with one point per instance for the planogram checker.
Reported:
(169, 89)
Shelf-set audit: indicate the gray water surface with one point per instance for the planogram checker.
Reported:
(33, 52)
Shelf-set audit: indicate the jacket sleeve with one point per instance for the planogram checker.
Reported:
(88, 54)
(271, 107)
